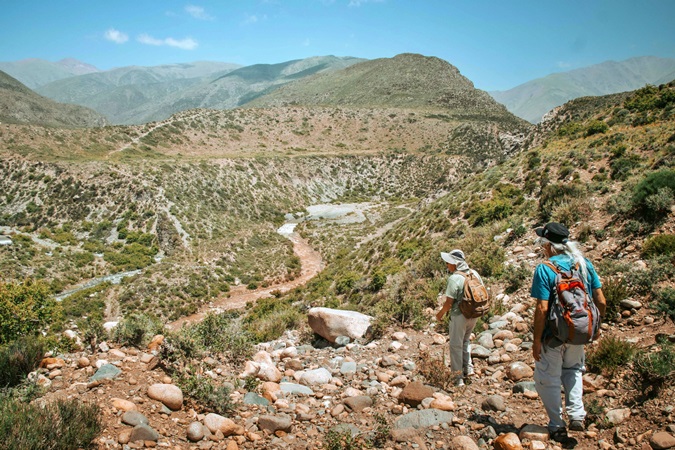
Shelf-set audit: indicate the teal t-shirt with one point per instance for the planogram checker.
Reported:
(455, 290)
(543, 282)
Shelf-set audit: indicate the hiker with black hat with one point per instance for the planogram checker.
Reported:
(460, 327)
(557, 362)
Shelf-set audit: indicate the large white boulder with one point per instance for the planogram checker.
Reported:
(331, 323)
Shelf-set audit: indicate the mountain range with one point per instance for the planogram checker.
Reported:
(18, 104)
(137, 94)
(535, 98)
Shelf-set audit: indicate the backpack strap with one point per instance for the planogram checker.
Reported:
(553, 266)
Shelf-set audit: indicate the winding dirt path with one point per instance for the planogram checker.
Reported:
(240, 295)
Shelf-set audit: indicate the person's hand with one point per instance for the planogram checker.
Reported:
(536, 350)
(439, 315)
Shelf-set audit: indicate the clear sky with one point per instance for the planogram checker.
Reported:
(497, 44)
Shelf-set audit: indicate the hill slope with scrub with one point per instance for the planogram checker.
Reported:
(192, 222)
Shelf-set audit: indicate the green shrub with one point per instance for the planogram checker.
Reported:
(63, 425)
(341, 439)
(223, 333)
(653, 370)
(661, 244)
(553, 195)
(595, 127)
(647, 193)
(208, 394)
(26, 309)
(609, 354)
(615, 290)
(18, 359)
(664, 302)
(137, 329)
(435, 370)
(515, 276)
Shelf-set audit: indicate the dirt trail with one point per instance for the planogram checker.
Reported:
(240, 295)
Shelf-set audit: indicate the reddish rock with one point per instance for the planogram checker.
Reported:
(508, 441)
(414, 393)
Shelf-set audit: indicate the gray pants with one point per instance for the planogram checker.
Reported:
(460, 344)
(558, 366)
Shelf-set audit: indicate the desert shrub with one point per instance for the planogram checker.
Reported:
(620, 168)
(223, 333)
(341, 439)
(347, 282)
(664, 302)
(202, 389)
(137, 329)
(615, 289)
(609, 354)
(553, 195)
(26, 309)
(571, 211)
(435, 370)
(654, 184)
(501, 206)
(405, 301)
(378, 281)
(655, 369)
(515, 276)
(661, 244)
(659, 269)
(18, 359)
(63, 425)
(595, 127)
(270, 324)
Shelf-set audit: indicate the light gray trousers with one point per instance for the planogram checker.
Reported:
(460, 329)
(563, 365)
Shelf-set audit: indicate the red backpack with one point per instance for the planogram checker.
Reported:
(572, 316)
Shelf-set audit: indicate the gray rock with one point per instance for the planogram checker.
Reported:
(630, 304)
(478, 351)
(134, 418)
(251, 398)
(523, 386)
(295, 389)
(106, 372)
(409, 365)
(485, 340)
(348, 367)
(143, 433)
(341, 341)
(423, 419)
(195, 432)
(494, 403)
(359, 403)
(499, 325)
(275, 423)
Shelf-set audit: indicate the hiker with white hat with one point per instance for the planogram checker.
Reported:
(460, 327)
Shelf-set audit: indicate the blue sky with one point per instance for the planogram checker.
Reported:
(497, 44)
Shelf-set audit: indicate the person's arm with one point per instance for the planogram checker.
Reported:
(539, 323)
(599, 300)
(446, 307)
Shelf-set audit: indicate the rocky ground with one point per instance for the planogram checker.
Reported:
(372, 389)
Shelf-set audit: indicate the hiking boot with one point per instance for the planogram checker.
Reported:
(561, 437)
(577, 425)
(459, 382)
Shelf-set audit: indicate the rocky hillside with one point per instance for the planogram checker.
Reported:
(18, 104)
(535, 98)
(405, 81)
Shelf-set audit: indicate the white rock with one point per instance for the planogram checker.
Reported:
(331, 323)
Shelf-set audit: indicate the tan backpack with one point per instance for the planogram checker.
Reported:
(476, 300)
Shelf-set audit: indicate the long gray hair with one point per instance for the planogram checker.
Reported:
(571, 249)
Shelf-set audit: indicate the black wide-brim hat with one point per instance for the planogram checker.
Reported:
(554, 232)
